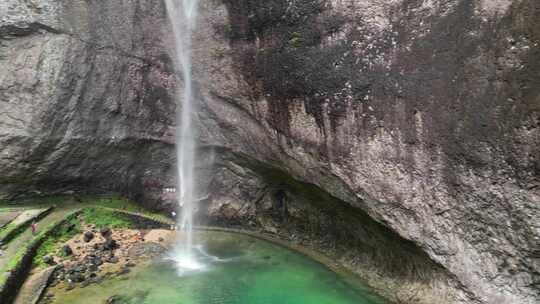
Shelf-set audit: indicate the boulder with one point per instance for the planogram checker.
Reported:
(124, 270)
(97, 261)
(66, 250)
(110, 244)
(105, 232)
(49, 260)
(80, 269)
(116, 299)
(70, 227)
(99, 247)
(75, 278)
(85, 283)
(88, 236)
(60, 277)
(113, 260)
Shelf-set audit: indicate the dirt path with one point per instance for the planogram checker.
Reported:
(25, 237)
(8, 216)
(33, 286)
(21, 221)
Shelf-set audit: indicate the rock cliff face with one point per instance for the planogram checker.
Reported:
(400, 137)
(82, 93)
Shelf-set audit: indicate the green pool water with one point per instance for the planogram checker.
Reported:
(249, 271)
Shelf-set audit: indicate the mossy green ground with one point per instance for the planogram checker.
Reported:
(70, 201)
(104, 218)
(60, 201)
(6, 230)
(54, 241)
(97, 216)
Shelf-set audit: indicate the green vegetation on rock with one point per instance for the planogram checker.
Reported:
(72, 201)
(104, 218)
(51, 245)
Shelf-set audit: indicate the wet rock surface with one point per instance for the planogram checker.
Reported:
(109, 244)
(48, 260)
(413, 146)
(145, 250)
(405, 127)
(123, 299)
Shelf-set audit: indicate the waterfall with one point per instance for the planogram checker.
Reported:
(183, 15)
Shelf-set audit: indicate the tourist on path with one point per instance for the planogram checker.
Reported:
(34, 227)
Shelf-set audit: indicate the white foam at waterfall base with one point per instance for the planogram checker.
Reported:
(198, 260)
(186, 262)
(183, 15)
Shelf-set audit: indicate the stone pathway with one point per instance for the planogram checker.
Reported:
(23, 219)
(27, 216)
(34, 286)
(25, 237)
(7, 217)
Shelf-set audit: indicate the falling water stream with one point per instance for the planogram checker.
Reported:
(183, 15)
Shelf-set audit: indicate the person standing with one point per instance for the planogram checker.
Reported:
(34, 227)
(173, 214)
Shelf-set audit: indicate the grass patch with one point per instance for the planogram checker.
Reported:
(48, 247)
(65, 232)
(6, 230)
(40, 202)
(12, 230)
(73, 201)
(104, 218)
(126, 205)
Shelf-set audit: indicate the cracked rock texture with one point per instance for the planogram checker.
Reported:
(400, 137)
(83, 94)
